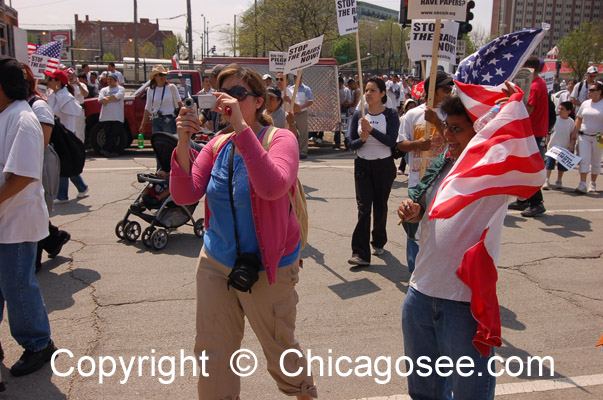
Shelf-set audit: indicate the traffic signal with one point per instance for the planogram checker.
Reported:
(403, 19)
(465, 27)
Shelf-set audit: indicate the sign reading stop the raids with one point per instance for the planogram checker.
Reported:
(38, 64)
(303, 54)
(277, 61)
(566, 158)
(421, 40)
(437, 9)
(347, 16)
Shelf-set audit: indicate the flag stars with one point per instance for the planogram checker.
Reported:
(508, 56)
(500, 72)
(487, 77)
(493, 61)
(518, 42)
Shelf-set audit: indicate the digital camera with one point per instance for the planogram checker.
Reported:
(245, 272)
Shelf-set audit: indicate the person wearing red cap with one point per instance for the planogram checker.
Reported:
(67, 109)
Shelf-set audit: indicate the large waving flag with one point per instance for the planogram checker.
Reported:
(176, 61)
(500, 59)
(50, 51)
(502, 158)
(477, 101)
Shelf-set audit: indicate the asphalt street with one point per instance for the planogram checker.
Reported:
(108, 298)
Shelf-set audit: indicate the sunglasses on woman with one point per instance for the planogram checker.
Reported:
(454, 129)
(239, 93)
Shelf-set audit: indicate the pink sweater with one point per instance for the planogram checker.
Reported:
(271, 175)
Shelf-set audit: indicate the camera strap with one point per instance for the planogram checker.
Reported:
(231, 196)
(161, 101)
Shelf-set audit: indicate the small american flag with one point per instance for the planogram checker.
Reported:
(51, 50)
(500, 59)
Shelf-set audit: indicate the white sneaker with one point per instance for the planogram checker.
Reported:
(546, 185)
(83, 194)
(581, 187)
(58, 201)
(558, 184)
(318, 140)
(592, 187)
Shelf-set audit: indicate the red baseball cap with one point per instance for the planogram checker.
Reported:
(59, 75)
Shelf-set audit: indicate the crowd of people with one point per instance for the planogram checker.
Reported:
(248, 176)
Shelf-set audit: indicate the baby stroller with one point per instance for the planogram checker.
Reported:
(159, 211)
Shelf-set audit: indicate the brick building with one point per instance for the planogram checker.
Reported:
(117, 34)
(563, 16)
(8, 20)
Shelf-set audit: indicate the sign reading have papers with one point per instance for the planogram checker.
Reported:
(277, 61)
(347, 16)
(421, 40)
(437, 9)
(303, 54)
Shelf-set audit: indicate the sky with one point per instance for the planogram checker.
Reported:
(59, 14)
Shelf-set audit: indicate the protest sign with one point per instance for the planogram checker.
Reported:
(277, 61)
(347, 16)
(422, 34)
(437, 9)
(460, 49)
(38, 65)
(549, 79)
(564, 157)
(303, 54)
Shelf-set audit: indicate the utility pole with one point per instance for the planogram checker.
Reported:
(136, 76)
(255, 28)
(234, 37)
(189, 31)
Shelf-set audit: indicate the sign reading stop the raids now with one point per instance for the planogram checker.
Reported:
(347, 16)
(437, 9)
(303, 54)
(277, 61)
(421, 40)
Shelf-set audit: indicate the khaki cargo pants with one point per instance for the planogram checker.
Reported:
(271, 312)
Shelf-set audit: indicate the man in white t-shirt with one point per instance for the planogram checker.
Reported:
(580, 92)
(393, 88)
(23, 220)
(413, 140)
(112, 114)
(303, 100)
(112, 70)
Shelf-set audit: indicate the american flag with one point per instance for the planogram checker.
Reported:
(501, 159)
(500, 59)
(51, 50)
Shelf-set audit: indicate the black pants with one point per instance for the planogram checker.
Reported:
(113, 131)
(537, 197)
(373, 179)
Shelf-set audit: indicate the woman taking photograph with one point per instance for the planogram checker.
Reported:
(67, 109)
(250, 228)
(372, 137)
(589, 124)
(162, 101)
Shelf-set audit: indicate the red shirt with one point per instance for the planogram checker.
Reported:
(539, 119)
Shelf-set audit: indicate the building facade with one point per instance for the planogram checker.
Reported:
(109, 36)
(8, 20)
(371, 12)
(563, 16)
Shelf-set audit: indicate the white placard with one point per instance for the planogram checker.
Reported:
(437, 9)
(347, 16)
(460, 49)
(303, 54)
(564, 157)
(421, 40)
(38, 65)
(277, 61)
(549, 79)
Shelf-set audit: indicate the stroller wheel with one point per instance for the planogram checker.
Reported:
(199, 227)
(132, 231)
(159, 239)
(119, 229)
(146, 236)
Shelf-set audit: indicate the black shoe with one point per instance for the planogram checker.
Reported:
(64, 238)
(534, 211)
(303, 156)
(31, 361)
(519, 205)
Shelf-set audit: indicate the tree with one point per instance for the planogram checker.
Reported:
(147, 50)
(283, 23)
(582, 46)
(108, 57)
(173, 45)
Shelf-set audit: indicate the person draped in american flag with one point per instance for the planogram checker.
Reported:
(451, 308)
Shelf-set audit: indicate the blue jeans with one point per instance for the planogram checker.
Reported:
(77, 180)
(27, 314)
(435, 328)
(165, 124)
(412, 249)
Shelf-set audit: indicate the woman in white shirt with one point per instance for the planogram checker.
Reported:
(163, 99)
(372, 137)
(589, 124)
(80, 92)
(67, 109)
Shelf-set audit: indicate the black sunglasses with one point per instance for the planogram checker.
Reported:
(593, 90)
(239, 93)
(454, 129)
(279, 79)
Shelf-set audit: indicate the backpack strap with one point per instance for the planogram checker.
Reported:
(268, 136)
(34, 99)
(219, 143)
